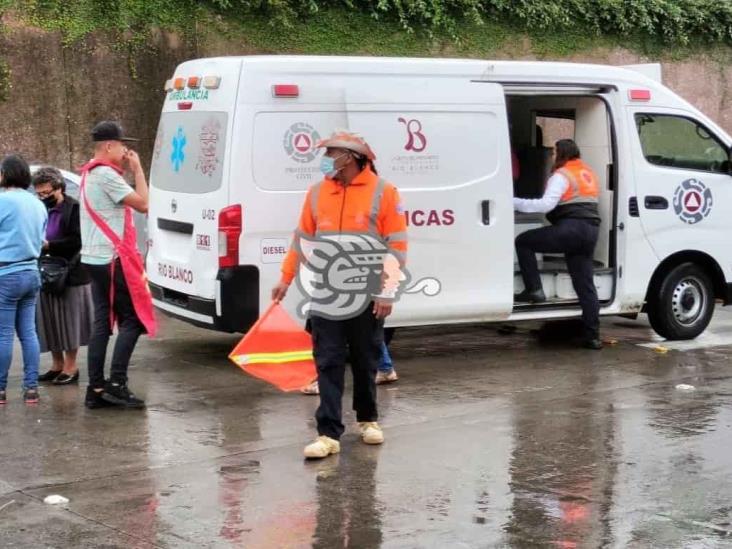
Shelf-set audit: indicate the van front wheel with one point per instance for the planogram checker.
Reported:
(682, 305)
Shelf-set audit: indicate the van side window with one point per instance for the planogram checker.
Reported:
(678, 142)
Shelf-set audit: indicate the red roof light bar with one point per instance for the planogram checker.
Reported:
(640, 95)
(285, 90)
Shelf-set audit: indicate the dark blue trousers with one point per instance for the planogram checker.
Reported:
(359, 339)
(576, 239)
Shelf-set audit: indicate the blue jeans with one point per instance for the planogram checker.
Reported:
(385, 364)
(18, 295)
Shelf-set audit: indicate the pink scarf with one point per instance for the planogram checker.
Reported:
(125, 249)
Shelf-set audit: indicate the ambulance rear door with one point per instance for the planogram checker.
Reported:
(444, 143)
(190, 212)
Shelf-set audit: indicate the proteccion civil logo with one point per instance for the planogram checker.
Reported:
(299, 142)
(692, 201)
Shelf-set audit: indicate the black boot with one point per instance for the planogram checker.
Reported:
(120, 395)
(530, 296)
(94, 399)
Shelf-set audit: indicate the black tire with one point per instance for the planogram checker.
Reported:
(682, 305)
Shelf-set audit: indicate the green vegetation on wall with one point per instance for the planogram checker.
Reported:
(77, 18)
(4, 81)
(669, 21)
(401, 27)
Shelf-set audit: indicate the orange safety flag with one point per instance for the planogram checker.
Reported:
(277, 350)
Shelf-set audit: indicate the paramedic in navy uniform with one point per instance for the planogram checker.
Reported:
(570, 204)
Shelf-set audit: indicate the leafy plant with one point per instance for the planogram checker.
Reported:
(670, 23)
(5, 84)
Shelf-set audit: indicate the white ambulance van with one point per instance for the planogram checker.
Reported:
(235, 154)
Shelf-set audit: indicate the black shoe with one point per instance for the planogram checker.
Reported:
(94, 399)
(50, 375)
(30, 396)
(594, 344)
(66, 379)
(535, 296)
(120, 395)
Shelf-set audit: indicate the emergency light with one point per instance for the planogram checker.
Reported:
(640, 95)
(210, 82)
(285, 90)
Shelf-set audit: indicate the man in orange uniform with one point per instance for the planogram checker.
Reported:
(570, 202)
(352, 199)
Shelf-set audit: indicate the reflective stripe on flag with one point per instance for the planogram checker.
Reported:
(272, 358)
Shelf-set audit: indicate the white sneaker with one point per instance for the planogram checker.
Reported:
(386, 377)
(371, 433)
(322, 447)
(312, 389)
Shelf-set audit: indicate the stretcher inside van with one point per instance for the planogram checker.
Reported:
(235, 153)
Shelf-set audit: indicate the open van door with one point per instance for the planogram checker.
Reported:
(445, 145)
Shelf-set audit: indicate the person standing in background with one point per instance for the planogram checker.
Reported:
(106, 191)
(64, 321)
(22, 229)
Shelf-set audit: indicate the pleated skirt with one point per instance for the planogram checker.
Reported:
(65, 322)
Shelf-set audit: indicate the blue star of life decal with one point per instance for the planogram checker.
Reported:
(178, 155)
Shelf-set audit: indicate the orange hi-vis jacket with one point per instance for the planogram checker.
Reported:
(583, 185)
(368, 205)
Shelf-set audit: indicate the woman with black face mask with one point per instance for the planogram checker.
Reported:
(64, 321)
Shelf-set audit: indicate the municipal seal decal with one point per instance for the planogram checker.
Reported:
(299, 142)
(692, 201)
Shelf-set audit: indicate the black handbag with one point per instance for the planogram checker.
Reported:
(54, 274)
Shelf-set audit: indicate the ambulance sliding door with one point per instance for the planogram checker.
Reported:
(444, 143)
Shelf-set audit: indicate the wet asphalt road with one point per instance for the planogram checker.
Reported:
(492, 441)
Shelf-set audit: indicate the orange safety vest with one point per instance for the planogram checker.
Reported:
(368, 205)
(583, 184)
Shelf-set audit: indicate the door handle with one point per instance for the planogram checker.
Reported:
(485, 212)
(655, 203)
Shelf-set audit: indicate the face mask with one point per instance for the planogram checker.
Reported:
(50, 201)
(327, 166)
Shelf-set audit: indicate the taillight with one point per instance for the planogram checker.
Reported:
(230, 226)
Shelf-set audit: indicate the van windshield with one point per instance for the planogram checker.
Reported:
(188, 155)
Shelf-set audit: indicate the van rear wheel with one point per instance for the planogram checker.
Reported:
(682, 305)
